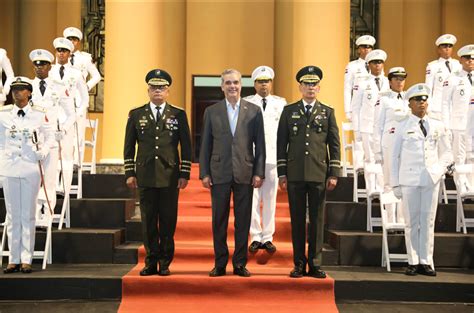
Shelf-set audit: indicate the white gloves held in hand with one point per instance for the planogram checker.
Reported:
(397, 191)
(41, 154)
(59, 134)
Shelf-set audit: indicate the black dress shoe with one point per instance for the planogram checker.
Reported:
(148, 270)
(270, 247)
(298, 271)
(164, 271)
(241, 271)
(217, 271)
(26, 268)
(425, 269)
(411, 270)
(11, 268)
(254, 246)
(316, 272)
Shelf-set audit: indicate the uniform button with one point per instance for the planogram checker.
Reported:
(157, 127)
(156, 147)
(156, 157)
(307, 126)
(307, 143)
(156, 137)
(307, 135)
(306, 152)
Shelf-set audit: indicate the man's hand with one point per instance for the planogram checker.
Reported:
(331, 183)
(257, 181)
(132, 182)
(207, 182)
(283, 182)
(397, 191)
(182, 183)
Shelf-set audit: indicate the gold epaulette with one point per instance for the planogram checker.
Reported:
(6, 108)
(38, 108)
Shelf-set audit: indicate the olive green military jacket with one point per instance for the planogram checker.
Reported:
(157, 162)
(308, 149)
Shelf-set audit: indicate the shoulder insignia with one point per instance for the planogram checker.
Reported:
(38, 108)
(326, 105)
(177, 108)
(433, 62)
(6, 108)
(385, 93)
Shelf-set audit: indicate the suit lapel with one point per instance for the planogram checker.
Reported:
(302, 111)
(316, 107)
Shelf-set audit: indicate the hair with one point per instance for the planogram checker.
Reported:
(230, 71)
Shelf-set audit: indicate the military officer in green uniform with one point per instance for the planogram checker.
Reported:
(157, 171)
(308, 163)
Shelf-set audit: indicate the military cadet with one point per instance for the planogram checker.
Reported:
(356, 68)
(51, 95)
(420, 156)
(157, 171)
(366, 93)
(457, 94)
(308, 162)
(262, 226)
(25, 140)
(392, 108)
(5, 66)
(437, 72)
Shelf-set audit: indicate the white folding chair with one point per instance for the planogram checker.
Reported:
(64, 217)
(46, 254)
(347, 144)
(93, 125)
(373, 193)
(463, 192)
(388, 201)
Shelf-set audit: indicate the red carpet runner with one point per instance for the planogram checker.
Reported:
(190, 289)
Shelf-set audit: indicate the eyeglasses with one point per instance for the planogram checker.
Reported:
(445, 45)
(160, 87)
(62, 50)
(376, 62)
(420, 98)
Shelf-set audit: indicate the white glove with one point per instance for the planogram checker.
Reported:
(59, 135)
(397, 192)
(378, 158)
(349, 116)
(41, 154)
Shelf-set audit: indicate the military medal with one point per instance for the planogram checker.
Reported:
(369, 96)
(295, 129)
(461, 92)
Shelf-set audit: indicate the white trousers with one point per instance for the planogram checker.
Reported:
(420, 204)
(262, 226)
(358, 152)
(79, 136)
(459, 155)
(393, 213)
(21, 195)
(373, 182)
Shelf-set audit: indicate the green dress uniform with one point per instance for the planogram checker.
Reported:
(157, 167)
(308, 152)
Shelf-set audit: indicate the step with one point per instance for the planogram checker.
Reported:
(358, 248)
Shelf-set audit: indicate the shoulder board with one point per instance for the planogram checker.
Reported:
(6, 108)
(248, 98)
(86, 54)
(433, 62)
(278, 98)
(326, 105)
(3, 51)
(38, 108)
(363, 77)
(177, 108)
(138, 108)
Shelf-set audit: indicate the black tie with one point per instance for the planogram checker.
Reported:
(72, 59)
(377, 81)
(367, 67)
(61, 71)
(399, 96)
(423, 129)
(447, 65)
(308, 111)
(158, 114)
(264, 103)
(42, 87)
(21, 113)
(469, 76)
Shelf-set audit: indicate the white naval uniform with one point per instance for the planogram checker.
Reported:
(364, 101)
(457, 93)
(353, 70)
(59, 107)
(262, 225)
(436, 73)
(418, 163)
(392, 109)
(20, 171)
(6, 67)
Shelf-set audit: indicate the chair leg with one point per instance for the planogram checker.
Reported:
(2, 247)
(386, 250)
(369, 214)
(355, 192)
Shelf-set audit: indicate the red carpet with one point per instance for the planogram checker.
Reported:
(190, 289)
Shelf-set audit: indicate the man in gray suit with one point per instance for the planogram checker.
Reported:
(232, 159)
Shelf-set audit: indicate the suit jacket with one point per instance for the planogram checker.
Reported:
(308, 149)
(224, 157)
(157, 162)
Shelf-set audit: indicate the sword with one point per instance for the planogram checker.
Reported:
(76, 127)
(35, 142)
(61, 159)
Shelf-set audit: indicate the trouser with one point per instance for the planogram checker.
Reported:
(459, 155)
(21, 195)
(262, 226)
(393, 213)
(220, 194)
(299, 195)
(67, 154)
(373, 181)
(79, 136)
(50, 181)
(419, 205)
(159, 214)
(358, 152)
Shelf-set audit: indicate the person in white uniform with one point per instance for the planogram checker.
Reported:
(53, 96)
(366, 94)
(420, 157)
(262, 225)
(457, 95)
(5, 66)
(20, 125)
(437, 72)
(390, 111)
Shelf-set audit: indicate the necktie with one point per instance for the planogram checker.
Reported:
(264, 103)
(377, 81)
(447, 65)
(423, 129)
(42, 87)
(158, 114)
(399, 96)
(72, 59)
(367, 67)
(308, 111)
(21, 113)
(469, 76)
(61, 71)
